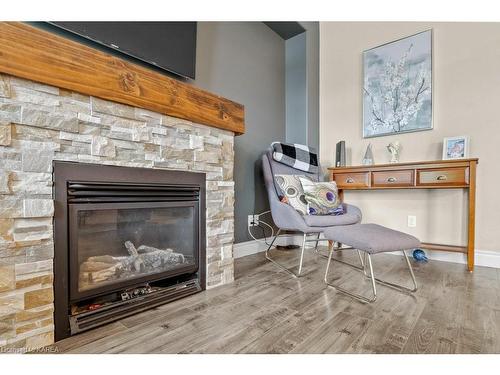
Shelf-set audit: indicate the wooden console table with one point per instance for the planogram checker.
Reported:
(440, 174)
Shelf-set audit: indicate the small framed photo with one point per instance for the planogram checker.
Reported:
(456, 148)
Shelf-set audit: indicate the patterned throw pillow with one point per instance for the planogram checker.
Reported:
(292, 189)
(322, 197)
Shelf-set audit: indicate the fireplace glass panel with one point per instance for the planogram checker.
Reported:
(116, 245)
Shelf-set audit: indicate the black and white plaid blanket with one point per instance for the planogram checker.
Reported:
(296, 156)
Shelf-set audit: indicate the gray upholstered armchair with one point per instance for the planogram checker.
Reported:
(287, 218)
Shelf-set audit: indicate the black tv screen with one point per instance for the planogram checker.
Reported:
(168, 45)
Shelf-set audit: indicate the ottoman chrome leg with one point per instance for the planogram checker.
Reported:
(368, 262)
(268, 257)
(415, 286)
(363, 262)
(345, 291)
(400, 287)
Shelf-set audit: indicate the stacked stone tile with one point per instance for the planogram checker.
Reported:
(39, 124)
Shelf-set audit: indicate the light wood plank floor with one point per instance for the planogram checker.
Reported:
(267, 311)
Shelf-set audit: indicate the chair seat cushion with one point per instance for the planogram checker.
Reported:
(372, 238)
(348, 218)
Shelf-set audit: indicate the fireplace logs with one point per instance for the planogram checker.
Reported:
(144, 259)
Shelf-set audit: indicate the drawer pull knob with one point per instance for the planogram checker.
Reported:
(441, 178)
(391, 179)
(349, 180)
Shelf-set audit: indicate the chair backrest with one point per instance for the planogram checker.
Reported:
(276, 167)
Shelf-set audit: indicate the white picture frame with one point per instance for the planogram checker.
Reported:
(456, 147)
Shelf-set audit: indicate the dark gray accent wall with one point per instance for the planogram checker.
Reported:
(245, 62)
(312, 66)
(302, 86)
(296, 89)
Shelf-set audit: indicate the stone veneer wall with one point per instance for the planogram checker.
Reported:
(39, 124)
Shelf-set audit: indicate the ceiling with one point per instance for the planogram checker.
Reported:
(286, 30)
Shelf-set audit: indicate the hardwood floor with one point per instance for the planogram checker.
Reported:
(268, 311)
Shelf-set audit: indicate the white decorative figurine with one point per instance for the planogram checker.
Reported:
(394, 148)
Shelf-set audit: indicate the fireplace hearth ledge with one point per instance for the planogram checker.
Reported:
(40, 124)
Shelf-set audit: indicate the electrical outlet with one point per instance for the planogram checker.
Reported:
(252, 220)
(412, 221)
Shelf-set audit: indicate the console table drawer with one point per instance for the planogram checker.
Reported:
(443, 177)
(397, 178)
(352, 180)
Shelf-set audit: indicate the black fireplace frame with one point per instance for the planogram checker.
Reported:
(65, 173)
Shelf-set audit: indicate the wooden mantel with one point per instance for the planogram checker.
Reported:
(41, 56)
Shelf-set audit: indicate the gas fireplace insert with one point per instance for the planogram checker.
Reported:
(126, 239)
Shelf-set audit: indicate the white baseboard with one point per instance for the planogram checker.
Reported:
(485, 258)
(243, 249)
(253, 247)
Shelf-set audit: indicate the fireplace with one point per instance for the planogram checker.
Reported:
(43, 124)
(126, 239)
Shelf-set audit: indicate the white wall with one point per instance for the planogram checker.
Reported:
(466, 102)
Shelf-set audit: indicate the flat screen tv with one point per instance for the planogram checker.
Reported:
(170, 46)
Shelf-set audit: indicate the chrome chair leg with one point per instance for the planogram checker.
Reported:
(345, 291)
(268, 257)
(316, 250)
(302, 254)
(335, 246)
(317, 240)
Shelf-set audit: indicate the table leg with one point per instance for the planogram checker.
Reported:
(472, 216)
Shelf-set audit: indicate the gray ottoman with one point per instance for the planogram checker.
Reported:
(370, 239)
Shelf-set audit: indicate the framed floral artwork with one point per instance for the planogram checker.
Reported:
(397, 89)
